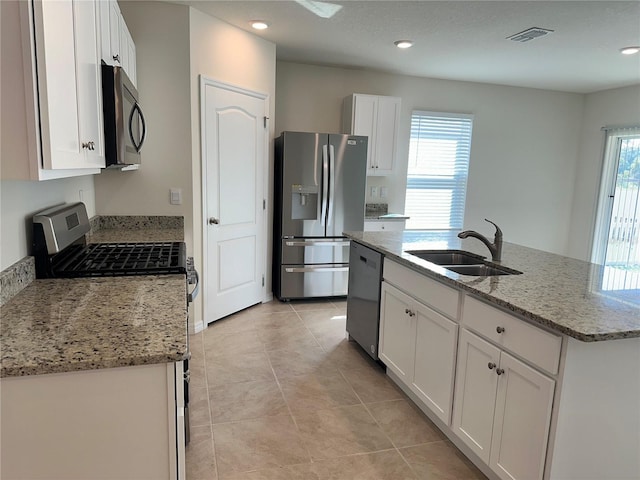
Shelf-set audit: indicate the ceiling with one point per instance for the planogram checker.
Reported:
(457, 40)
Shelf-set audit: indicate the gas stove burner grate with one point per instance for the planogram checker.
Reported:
(111, 259)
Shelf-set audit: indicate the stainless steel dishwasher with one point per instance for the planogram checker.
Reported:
(363, 297)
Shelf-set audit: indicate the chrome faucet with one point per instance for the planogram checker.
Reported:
(495, 248)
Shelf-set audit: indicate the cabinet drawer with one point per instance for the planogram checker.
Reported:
(430, 292)
(538, 346)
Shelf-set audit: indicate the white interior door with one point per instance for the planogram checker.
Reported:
(234, 153)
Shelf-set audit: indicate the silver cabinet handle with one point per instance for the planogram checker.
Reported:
(116, 57)
(491, 365)
(500, 329)
(214, 221)
(499, 371)
(89, 145)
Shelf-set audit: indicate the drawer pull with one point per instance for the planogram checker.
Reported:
(491, 365)
(500, 329)
(409, 312)
(499, 371)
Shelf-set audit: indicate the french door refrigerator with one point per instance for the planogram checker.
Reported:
(319, 192)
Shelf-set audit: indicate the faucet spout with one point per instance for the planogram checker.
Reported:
(494, 247)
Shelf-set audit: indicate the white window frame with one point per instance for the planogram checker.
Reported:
(457, 182)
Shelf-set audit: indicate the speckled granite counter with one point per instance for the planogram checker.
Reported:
(110, 229)
(558, 292)
(65, 325)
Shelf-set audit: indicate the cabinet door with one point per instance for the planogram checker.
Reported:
(475, 393)
(364, 123)
(114, 32)
(89, 83)
(435, 356)
(522, 419)
(386, 134)
(131, 57)
(397, 332)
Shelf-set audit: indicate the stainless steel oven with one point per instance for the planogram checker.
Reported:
(60, 251)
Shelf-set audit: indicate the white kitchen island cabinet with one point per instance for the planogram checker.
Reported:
(376, 117)
(122, 423)
(55, 46)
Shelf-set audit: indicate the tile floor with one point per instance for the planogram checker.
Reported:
(278, 393)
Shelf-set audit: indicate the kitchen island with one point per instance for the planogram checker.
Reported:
(92, 373)
(532, 376)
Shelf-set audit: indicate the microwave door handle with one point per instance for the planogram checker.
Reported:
(136, 109)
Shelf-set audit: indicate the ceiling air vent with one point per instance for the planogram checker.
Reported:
(529, 34)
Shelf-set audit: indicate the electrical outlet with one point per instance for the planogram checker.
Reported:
(175, 196)
(384, 191)
(374, 192)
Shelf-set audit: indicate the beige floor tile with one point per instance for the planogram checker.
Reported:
(240, 322)
(340, 431)
(440, 461)
(300, 361)
(290, 472)
(371, 384)
(328, 318)
(197, 371)
(349, 355)
(317, 392)
(404, 424)
(386, 465)
(278, 320)
(199, 407)
(305, 305)
(286, 338)
(237, 368)
(200, 459)
(243, 401)
(256, 444)
(273, 306)
(231, 343)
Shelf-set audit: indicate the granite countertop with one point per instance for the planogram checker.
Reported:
(561, 293)
(65, 325)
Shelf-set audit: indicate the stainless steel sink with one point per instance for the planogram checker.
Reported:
(448, 257)
(482, 270)
(464, 263)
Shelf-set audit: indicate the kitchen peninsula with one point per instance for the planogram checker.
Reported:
(92, 368)
(533, 375)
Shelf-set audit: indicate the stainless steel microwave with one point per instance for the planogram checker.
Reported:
(124, 124)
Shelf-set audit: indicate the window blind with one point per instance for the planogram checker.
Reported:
(438, 165)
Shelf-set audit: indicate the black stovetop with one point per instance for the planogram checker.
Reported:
(120, 259)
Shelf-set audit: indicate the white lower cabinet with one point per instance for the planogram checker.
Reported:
(418, 345)
(122, 423)
(387, 225)
(502, 409)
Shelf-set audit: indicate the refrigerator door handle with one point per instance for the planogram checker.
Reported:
(325, 186)
(317, 243)
(319, 268)
(332, 185)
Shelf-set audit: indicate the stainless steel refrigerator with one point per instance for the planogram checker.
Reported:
(319, 192)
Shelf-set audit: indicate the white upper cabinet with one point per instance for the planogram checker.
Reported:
(117, 44)
(378, 118)
(59, 133)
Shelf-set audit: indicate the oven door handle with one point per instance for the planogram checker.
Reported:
(194, 293)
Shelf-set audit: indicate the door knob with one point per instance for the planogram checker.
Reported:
(213, 221)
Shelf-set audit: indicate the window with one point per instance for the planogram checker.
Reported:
(437, 170)
(617, 237)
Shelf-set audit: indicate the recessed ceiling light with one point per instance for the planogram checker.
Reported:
(403, 43)
(629, 50)
(259, 25)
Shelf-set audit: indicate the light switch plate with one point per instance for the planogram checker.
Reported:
(175, 196)
(384, 191)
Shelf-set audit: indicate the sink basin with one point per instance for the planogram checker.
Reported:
(464, 263)
(448, 257)
(482, 270)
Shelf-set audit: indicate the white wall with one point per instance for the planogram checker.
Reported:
(161, 34)
(227, 54)
(524, 146)
(620, 107)
(19, 200)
